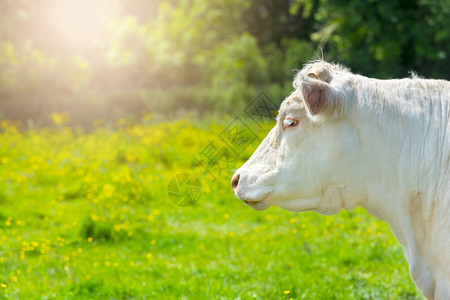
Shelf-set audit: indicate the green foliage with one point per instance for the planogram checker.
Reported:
(25, 69)
(282, 65)
(387, 38)
(85, 215)
(172, 47)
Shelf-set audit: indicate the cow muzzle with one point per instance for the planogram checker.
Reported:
(247, 194)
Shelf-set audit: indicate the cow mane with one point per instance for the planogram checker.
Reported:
(414, 111)
(401, 96)
(411, 97)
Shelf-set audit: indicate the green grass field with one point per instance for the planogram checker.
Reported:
(86, 215)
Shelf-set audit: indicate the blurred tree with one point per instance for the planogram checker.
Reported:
(193, 43)
(273, 21)
(387, 38)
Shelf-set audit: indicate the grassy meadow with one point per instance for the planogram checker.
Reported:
(85, 214)
(99, 200)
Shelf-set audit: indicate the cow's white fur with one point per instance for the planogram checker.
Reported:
(380, 144)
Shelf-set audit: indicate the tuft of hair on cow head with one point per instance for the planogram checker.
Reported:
(319, 71)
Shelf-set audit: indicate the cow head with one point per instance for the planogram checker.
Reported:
(304, 162)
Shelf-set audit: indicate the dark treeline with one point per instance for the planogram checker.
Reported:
(106, 59)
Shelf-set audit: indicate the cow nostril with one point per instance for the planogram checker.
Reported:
(235, 181)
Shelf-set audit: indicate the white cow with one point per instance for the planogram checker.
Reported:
(343, 140)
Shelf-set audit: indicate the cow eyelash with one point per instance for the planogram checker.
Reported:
(289, 123)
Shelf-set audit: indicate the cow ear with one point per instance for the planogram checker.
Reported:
(316, 95)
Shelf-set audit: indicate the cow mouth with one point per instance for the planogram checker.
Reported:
(258, 204)
(255, 199)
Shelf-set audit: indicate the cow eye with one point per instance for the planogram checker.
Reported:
(287, 123)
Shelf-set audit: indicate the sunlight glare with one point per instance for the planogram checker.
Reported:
(79, 24)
